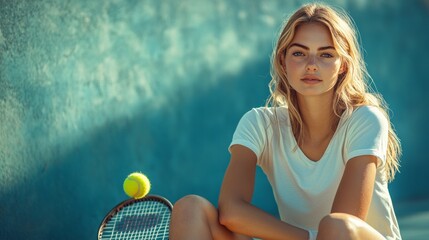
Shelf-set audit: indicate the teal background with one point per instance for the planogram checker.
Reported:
(93, 90)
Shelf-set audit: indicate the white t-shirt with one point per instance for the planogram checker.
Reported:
(304, 190)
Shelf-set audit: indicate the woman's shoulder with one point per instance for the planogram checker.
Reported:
(279, 113)
(266, 117)
(368, 111)
(366, 114)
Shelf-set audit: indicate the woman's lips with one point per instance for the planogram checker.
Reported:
(311, 80)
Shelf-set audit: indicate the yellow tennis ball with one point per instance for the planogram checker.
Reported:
(136, 185)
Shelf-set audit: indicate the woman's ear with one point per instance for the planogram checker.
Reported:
(281, 57)
(343, 69)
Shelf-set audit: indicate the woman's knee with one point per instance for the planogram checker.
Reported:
(338, 226)
(191, 204)
(191, 201)
(189, 219)
(346, 226)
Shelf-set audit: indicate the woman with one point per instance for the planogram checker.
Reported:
(325, 143)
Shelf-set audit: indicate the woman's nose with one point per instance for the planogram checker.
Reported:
(311, 65)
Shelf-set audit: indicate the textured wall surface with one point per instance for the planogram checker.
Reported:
(93, 90)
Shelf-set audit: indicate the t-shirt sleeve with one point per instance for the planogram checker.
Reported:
(251, 132)
(367, 134)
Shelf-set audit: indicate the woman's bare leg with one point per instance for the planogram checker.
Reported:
(344, 226)
(196, 218)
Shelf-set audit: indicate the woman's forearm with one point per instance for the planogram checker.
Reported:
(244, 218)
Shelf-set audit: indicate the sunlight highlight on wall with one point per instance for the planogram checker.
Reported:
(72, 67)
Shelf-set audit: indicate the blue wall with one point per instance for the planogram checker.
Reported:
(93, 90)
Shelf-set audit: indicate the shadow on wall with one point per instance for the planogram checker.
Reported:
(88, 95)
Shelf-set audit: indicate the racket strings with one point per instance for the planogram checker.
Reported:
(141, 220)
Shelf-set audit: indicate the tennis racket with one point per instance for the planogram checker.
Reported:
(144, 218)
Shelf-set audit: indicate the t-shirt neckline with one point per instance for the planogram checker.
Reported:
(301, 153)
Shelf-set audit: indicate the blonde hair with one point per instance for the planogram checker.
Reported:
(351, 89)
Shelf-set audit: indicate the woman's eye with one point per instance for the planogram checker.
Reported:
(297, 54)
(326, 55)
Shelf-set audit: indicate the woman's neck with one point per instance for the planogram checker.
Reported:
(318, 117)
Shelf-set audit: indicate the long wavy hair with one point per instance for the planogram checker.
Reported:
(351, 89)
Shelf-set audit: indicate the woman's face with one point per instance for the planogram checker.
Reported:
(311, 62)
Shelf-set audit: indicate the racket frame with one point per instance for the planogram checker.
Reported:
(129, 202)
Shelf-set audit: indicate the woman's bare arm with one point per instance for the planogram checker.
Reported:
(236, 211)
(354, 193)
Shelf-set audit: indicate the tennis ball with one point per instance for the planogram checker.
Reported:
(136, 185)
